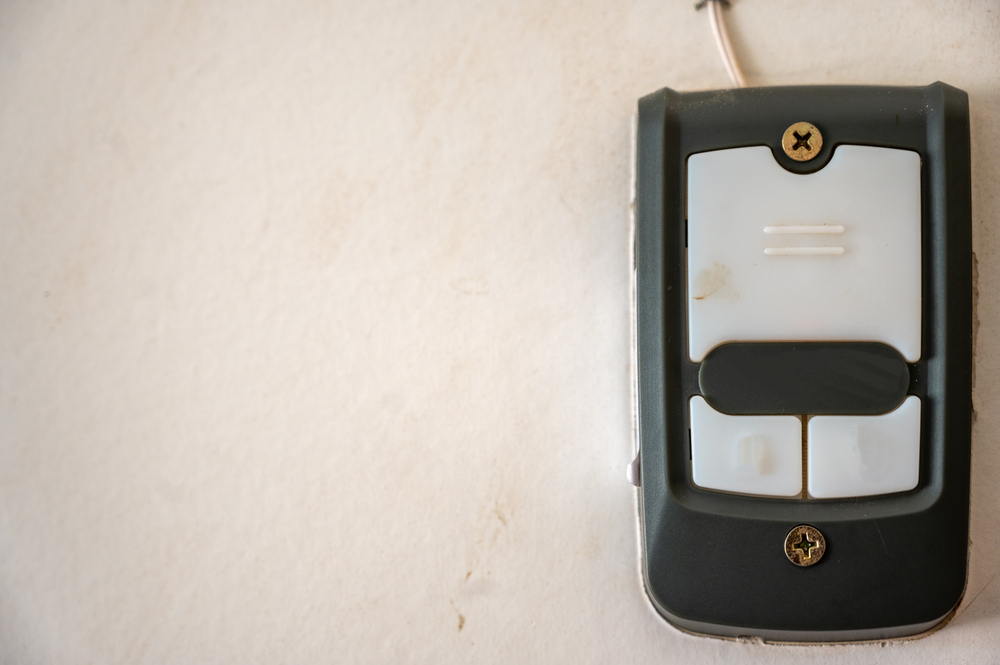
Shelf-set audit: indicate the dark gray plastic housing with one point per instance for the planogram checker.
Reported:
(713, 562)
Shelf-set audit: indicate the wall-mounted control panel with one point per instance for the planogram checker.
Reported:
(803, 318)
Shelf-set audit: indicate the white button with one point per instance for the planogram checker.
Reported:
(865, 455)
(745, 454)
(776, 256)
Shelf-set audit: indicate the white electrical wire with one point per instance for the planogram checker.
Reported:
(722, 41)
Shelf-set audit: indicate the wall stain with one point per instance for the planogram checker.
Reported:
(499, 513)
(494, 519)
(461, 617)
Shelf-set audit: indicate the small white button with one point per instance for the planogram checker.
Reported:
(865, 455)
(777, 256)
(745, 454)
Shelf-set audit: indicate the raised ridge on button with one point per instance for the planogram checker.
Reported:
(803, 251)
(815, 378)
(825, 229)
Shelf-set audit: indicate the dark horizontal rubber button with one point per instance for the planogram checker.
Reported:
(814, 378)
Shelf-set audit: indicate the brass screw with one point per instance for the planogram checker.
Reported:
(804, 545)
(802, 141)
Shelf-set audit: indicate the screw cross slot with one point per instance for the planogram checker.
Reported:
(802, 141)
(804, 545)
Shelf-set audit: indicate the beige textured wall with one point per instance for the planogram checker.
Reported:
(313, 322)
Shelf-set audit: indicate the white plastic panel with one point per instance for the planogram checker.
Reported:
(830, 256)
(865, 455)
(745, 454)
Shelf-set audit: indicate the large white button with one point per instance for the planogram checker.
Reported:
(776, 256)
(865, 455)
(745, 454)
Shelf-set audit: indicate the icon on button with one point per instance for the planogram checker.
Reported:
(751, 457)
(870, 453)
